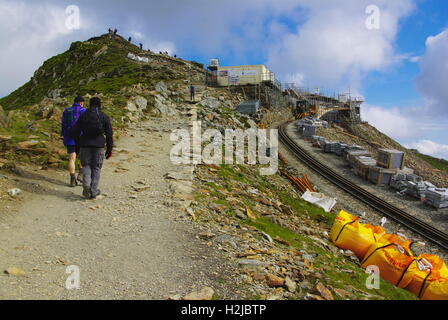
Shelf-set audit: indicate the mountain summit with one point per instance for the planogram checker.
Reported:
(100, 65)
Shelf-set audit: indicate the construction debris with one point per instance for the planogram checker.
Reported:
(303, 184)
(319, 199)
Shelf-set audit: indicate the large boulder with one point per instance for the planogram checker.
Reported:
(164, 106)
(141, 103)
(162, 88)
(131, 107)
(211, 102)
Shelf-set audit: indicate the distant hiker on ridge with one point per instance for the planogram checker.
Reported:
(141, 46)
(92, 132)
(68, 121)
(130, 39)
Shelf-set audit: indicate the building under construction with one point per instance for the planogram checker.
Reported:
(257, 82)
(343, 108)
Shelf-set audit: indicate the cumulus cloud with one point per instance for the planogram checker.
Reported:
(433, 78)
(30, 34)
(393, 122)
(334, 47)
(430, 148)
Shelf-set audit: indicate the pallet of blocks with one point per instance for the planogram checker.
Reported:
(353, 154)
(437, 197)
(380, 176)
(391, 159)
(362, 166)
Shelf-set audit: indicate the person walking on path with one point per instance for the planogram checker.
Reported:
(93, 132)
(68, 121)
(192, 93)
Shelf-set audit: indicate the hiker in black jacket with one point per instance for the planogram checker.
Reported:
(92, 133)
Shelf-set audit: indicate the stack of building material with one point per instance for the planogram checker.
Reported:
(391, 159)
(398, 182)
(306, 128)
(353, 154)
(437, 197)
(340, 148)
(414, 178)
(362, 166)
(416, 189)
(351, 148)
(412, 184)
(313, 122)
(379, 175)
(330, 146)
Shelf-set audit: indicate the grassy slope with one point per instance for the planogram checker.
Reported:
(439, 164)
(97, 66)
(108, 71)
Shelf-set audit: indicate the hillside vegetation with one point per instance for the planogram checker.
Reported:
(130, 91)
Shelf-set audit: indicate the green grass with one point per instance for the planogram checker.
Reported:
(439, 164)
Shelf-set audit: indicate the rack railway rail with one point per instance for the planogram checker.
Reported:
(416, 225)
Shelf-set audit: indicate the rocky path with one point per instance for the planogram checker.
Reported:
(135, 242)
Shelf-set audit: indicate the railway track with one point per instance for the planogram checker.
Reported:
(425, 230)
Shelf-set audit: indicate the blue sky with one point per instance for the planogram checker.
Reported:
(429, 18)
(400, 69)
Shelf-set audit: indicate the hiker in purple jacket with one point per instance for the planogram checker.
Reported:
(69, 119)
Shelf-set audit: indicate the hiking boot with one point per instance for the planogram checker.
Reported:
(79, 177)
(86, 193)
(96, 194)
(73, 182)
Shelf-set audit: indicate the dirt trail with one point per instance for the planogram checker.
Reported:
(128, 245)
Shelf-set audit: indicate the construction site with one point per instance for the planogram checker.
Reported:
(257, 82)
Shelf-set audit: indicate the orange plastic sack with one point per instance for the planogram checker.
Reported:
(436, 290)
(393, 256)
(349, 234)
(430, 280)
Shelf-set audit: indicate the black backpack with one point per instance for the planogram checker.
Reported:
(92, 123)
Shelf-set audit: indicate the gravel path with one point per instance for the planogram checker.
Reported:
(128, 245)
(348, 203)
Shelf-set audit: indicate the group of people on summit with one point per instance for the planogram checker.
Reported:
(87, 132)
(113, 34)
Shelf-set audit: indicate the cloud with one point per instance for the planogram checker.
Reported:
(31, 33)
(334, 47)
(393, 122)
(430, 148)
(433, 78)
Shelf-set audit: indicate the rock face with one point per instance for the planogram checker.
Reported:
(162, 88)
(136, 106)
(54, 94)
(164, 106)
(141, 103)
(211, 102)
